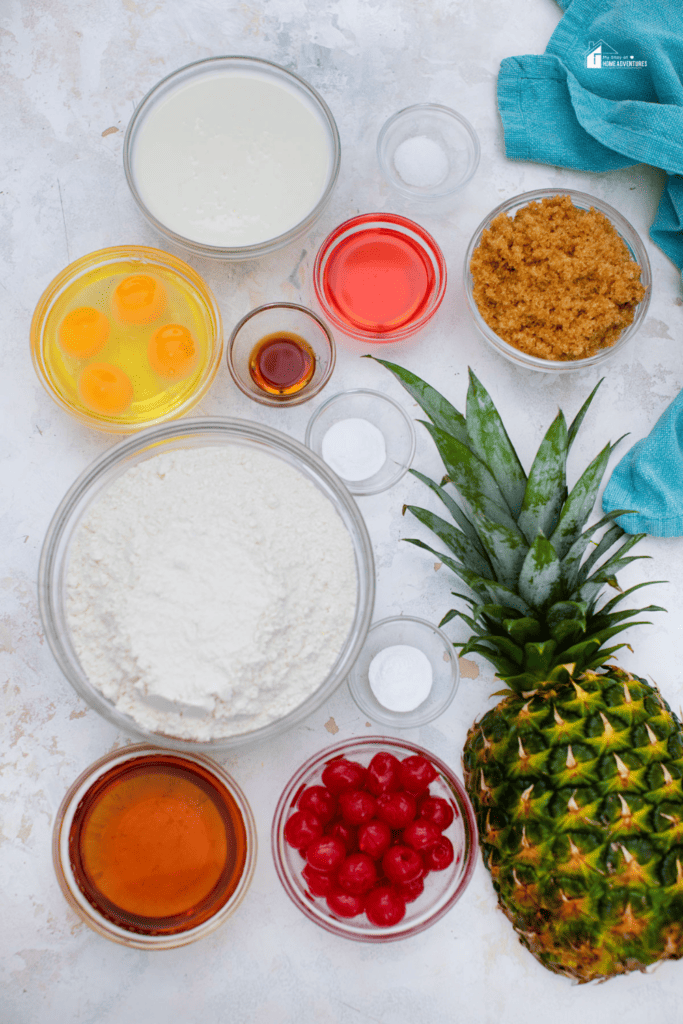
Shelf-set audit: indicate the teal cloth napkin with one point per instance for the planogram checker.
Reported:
(649, 479)
(607, 93)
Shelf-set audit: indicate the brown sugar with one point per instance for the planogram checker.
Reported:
(555, 281)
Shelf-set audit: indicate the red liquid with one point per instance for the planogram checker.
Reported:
(282, 363)
(378, 280)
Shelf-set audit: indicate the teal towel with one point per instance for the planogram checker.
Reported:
(607, 93)
(648, 479)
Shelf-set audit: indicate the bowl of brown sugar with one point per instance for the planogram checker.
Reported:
(557, 280)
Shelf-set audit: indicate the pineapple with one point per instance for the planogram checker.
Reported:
(576, 776)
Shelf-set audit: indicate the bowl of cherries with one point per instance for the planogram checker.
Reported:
(374, 839)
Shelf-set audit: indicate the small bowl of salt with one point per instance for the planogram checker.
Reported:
(406, 674)
(428, 151)
(365, 437)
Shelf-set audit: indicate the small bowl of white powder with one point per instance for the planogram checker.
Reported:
(407, 673)
(428, 151)
(207, 584)
(365, 437)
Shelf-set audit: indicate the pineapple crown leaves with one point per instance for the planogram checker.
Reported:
(520, 543)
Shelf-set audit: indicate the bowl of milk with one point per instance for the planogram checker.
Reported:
(232, 157)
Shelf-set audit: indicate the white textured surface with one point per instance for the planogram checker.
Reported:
(71, 71)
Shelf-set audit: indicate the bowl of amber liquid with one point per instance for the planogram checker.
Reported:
(154, 849)
(281, 354)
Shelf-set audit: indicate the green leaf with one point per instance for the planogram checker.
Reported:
(600, 621)
(578, 419)
(471, 477)
(439, 409)
(523, 630)
(541, 576)
(490, 441)
(448, 616)
(538, 657)
(566, 619)
(458, 515)
(454, 539)
(568, 631)
(617, 560)
(579, 504)
(506, 548)
(573, 570)
(503, 645)
(546, 487)
(607, 608)
(608, 540)
(503, 666)
(473, 580)
(497, 613)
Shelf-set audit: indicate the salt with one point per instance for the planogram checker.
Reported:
(421, 161)
(400, 677)
(354, 448)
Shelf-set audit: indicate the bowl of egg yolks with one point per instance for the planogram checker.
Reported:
(126, 337)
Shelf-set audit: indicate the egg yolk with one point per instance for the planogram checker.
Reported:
(139, 299)
(83, 332)
(105, 388)
(172, 352)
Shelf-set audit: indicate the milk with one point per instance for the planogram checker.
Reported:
(232, 158)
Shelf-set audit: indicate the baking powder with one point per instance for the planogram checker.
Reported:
(210, 591)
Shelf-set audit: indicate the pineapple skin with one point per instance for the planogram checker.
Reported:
(578, 793)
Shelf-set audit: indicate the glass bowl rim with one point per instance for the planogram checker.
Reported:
(347, 747)
(626, 232)
(114, 254)
(299, 398)
(393, 718)
(240, 252)
(352, 485)
(439, 108)
(54, 556)
(101, 924)
(353, 225)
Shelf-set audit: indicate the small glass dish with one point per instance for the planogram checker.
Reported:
(382, 413)
(102, 830)
(145, 322)
(412, 632)
(442, 888)
(427, 151)
(102, 473)
(304, 369)
(379, 277)
(214, 102)
(633, 243)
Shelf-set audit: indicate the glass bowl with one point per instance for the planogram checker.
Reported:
(166, 292)
(379, 277)
(195, 433)
(184, 783)
(215, 102)
(427, 151)
(633, 243)
(432, 642)
(304, 370)
(381, 412)
(442, 888)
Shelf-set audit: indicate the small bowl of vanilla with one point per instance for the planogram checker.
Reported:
(406, 674)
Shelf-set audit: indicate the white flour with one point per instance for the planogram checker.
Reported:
(210, 591)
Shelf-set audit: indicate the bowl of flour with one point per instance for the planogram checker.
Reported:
(206, 585)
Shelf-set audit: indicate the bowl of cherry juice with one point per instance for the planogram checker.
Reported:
(374, 839)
